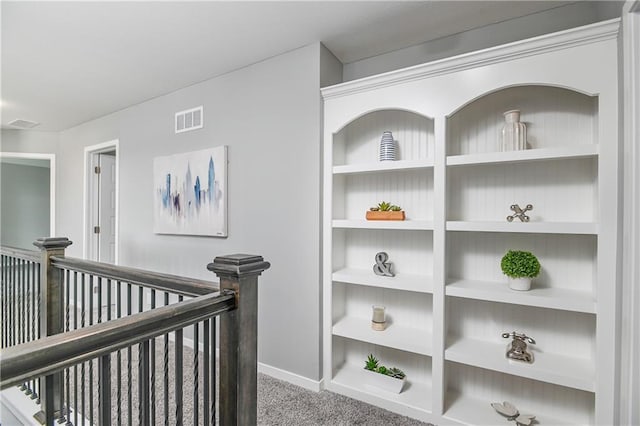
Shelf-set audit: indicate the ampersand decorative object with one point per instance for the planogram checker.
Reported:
(381, 267)
(519, 213)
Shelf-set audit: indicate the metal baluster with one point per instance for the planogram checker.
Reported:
(12, 337)
(205, 373)
(143, 379)
(19, 280)
(28, 318)
(67, 322)
(196, 372)
(129, 405)
(166, 369)
(178, 372)
(75, 367)
(82, 322)
(104, 390)
(214, 375)
(3, 300)
(119, 355)
(36, 393)
(143, 383)
(90, 361)
(152, 356)
(99, 300)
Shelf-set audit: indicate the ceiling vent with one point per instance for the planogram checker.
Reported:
(190, 119)
(23, 124)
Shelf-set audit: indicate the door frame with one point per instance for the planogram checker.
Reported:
(52, 181)
(87, 229)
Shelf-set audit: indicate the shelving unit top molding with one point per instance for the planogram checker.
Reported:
(586, 35)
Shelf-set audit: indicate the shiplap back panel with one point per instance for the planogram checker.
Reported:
(559, 190)
(529, 396)
(417, 368)
(411, 190)
(565, 333)
(403, 308)
(411, 252)
(554, 117)
(567, 261)
(359, 141)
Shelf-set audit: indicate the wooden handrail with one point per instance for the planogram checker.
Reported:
(28, 255)
(54, 353)
(147, 279)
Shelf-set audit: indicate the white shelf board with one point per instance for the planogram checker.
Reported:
(577, 373)
(415, 398)
(383, 166)
(552, 298)
(573, 228)
(417, 283)
(396, 336)
(474, 411)
(563, 152)
(410, 225)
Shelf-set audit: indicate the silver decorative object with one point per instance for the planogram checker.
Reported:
(517, 349)
(510, 411)
(381, 267)
(519, 213)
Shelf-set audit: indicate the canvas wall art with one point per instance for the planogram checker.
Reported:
(190, 193)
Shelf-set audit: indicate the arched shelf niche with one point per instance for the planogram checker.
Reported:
(358, 141)
(554, 116)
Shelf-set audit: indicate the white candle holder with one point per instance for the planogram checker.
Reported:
(378, 320)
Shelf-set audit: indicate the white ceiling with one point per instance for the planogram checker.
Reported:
(65, 63)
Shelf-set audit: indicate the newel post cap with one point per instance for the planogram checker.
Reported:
(238, 265)
(51, 243)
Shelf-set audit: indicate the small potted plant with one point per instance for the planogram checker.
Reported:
(385, 211)
(389, 379)
(521, 267)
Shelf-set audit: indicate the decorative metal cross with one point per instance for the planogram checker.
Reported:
(519, 213)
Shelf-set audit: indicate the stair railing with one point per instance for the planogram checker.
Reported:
(84, 343)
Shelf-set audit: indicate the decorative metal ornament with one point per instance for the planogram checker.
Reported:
(517, 349)
(510, 411)
(519, 213)
(381, 267)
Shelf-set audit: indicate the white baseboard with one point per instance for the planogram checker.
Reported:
(22, 407)
(294, 379)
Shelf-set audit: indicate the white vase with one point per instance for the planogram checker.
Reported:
(520, 284)
(387, 147)
(514, 132)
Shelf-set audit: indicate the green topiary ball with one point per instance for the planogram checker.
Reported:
(520, 264)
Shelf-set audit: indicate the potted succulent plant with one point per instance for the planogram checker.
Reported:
(521, 267)
(389, 379)
(385, 211)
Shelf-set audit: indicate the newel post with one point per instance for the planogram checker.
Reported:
(239, 338)
(51, 319)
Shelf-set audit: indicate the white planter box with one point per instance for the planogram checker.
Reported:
(382, 381)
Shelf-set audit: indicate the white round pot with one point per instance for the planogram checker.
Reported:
(520, 284)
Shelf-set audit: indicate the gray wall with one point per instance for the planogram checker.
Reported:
(24, 204)
(29, 141)
(269, 116)
(558, 19)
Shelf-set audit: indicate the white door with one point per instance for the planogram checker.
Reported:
(107, 208)
(103, 216)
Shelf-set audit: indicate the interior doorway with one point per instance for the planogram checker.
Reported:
(101, 202)
(27, 192)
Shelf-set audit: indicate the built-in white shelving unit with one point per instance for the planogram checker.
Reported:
(449, 302)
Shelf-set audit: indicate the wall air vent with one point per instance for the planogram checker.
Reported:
(23, 124)
(190, 119)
